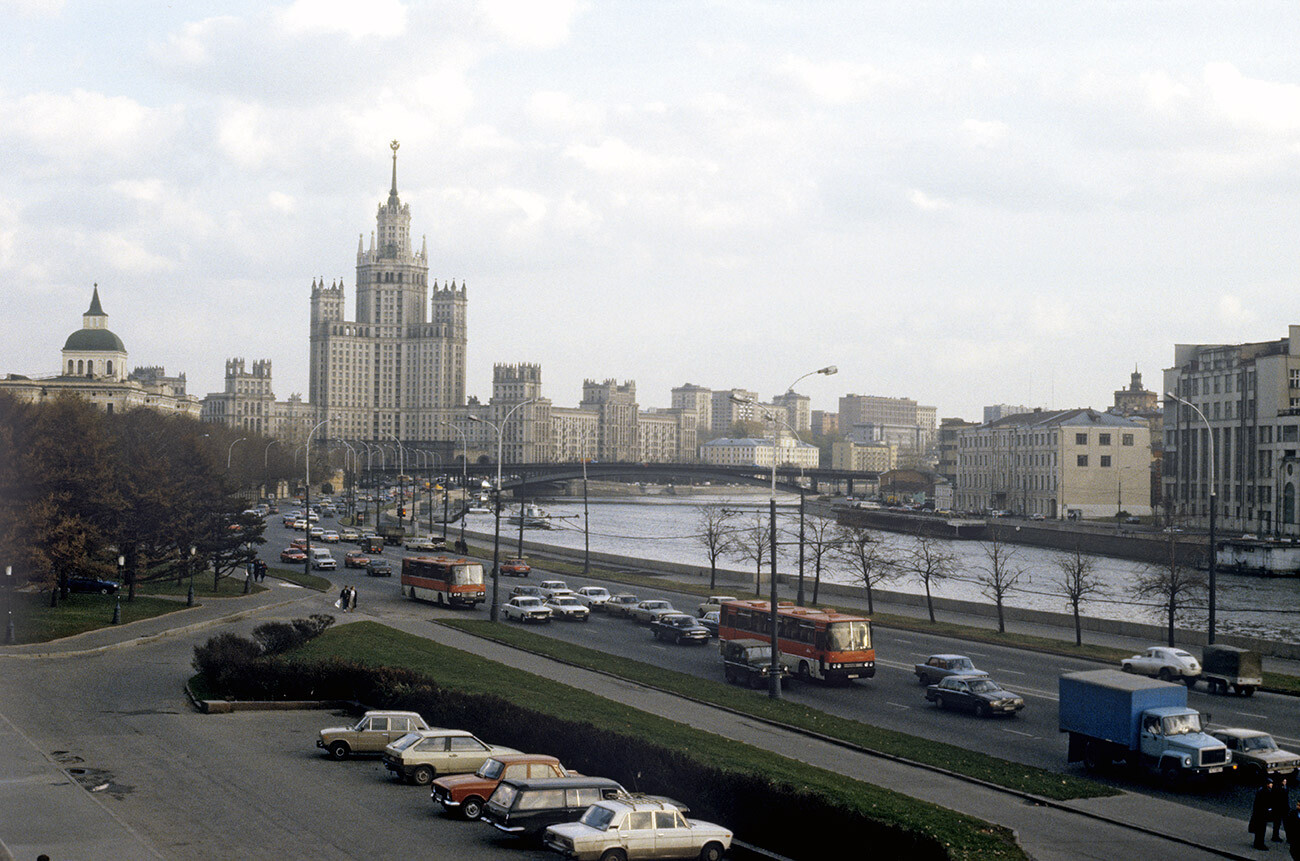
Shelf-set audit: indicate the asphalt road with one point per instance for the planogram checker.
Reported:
(893, 699)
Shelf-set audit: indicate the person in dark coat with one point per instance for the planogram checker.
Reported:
(1291, 822)
(342, 604)
(1280, 802)
(1261, 814)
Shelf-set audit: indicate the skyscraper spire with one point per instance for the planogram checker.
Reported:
(392, 193)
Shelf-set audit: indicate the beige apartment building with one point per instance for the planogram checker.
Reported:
(758, 452)
(864, 457)
(1057, 464)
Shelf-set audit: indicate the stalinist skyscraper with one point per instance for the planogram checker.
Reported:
(399, 367)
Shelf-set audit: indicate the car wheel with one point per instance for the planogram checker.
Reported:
(711, 852)
(938, 701)
(1248, 691)
(104, 591)
(1169, 773)
(677, 641)
(1165, 674)
(339, 750)
(1092, 756)
(1237, 689)
(439, 599)
(1128, 668)
(613, 855)
(805, 674)
(1190, 682)
(422, 776)
(981, 710)
(730, 674)
(472, 807)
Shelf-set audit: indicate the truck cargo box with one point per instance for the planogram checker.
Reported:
(1107, 704)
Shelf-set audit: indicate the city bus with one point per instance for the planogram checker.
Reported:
(443, 580)
(813, 644)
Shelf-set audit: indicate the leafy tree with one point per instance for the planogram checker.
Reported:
(1078, 582)
(927, 561)
(714, 535)
(1171, 584)
(861, 548)
(754, 544)
(1000, 574)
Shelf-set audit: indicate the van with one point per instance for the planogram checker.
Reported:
(526, 808)
(322, 559)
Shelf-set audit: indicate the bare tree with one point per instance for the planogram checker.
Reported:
(753, 544)
(927, 561)
(1000, 574)
(1171, 583)
(1078, 582)
(820, 539)
(861, 548)
(714, 524)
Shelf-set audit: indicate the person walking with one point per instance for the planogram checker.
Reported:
(1292, 825)
(342, 602)
(1280, 805)
(1261, 813)
(352, 598)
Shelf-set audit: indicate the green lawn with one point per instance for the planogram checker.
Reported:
(227, 587)
(36, 622)
(369, 642)
(302, 578)
(998, 771)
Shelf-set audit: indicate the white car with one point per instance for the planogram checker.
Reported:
(1164, 662)
(568, 607)
(635, 828)
(595, 597)
(714, 602)
(423, 542)
(329, 536)
(524, 608)
(349, 535)
(552, 587)
(649, 610)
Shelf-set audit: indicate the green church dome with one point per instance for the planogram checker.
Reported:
(94, 341)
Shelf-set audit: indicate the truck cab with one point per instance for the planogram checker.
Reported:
(1173, 738)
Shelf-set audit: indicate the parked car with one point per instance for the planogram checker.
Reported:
(680, 628)
(978, 694)
(379, 568)
(551, 587)
(329, 536)
(375, 731)
(322, 559)
(1256, 754)
(938, 667)
(515, 568)
(355, 559)
(526, 808)
(425, 543)
(523, 608)
(595, 597)
(526, 592)
(713, 603)
(637, 827)
(1164, 663)
(647, 611)
(293, 554)
(568, 608)
(465, 794)
(749, 662)
(620, 604)
(422, 755)
(710, 621)
(93, 585)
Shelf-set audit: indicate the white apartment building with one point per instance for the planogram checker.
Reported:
(758, 452)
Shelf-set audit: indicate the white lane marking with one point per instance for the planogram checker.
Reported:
(1012, 672)
(1251, 715)
(1018, 732)
(896, 705)
(903, 640)
(977, 654)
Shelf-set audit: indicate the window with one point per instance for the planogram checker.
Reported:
(1082, 460)
(1081, 439)
(1105, 460)
(1126, 439)
(640, 820)
(1103, 439)
(1295, 378)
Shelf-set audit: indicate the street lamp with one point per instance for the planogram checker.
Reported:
(464, 500)
(306, 494)
(189, 596)
(401, 489)
(351, 485)
(266, 466)
(1209, 434)
(9, 605)
(230, 451)
(496, 538)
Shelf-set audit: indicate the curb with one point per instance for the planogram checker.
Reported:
(1026, 796)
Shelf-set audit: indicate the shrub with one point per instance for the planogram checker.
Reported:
(224, 658)
(279, 637)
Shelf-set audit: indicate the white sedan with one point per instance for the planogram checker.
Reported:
(595, 597)
(568, 607)
(1164, 662)
(553, 587)
(329, 536)
(524, 608)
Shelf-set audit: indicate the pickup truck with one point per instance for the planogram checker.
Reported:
(1113, 716)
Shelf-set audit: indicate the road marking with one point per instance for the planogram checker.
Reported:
(977, 654)
(1251, 715)
(1018, 732)
(896, 705)
(902, 640)
(1012, 672)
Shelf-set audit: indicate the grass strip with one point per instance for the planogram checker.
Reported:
(301, 578)
(35, 621)
(965, 837)
(1025, 778)
(227, 587)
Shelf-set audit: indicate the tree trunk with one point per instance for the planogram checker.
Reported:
(1002, 628)
(817, 579)
(870, 604)
(1172, 607)
(929, 603)
(758, 580)
(713, 574)
(1078, 628)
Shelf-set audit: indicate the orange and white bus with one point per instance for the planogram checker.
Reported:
(813, 644)
(443, 580)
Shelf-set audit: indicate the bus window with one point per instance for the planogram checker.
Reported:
(848, 636)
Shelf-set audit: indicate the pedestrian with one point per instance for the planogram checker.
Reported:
(1280, 802)
(342, 602)
(261, 570)
(352, 598)
(1292, 826)
(1261, 813)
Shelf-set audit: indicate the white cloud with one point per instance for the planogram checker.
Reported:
(925, 202)
(142, 190)
(1265, 105)
(281, 202)
(81, 123)
(835, 82)
(355, 18)
(1233, 312)
(530, 23)
(985, 133)
(128, 256)
(242, 134)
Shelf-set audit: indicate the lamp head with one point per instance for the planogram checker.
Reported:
(829, 370)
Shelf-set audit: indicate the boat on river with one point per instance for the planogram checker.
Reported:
(532, 515)
(1260, 556)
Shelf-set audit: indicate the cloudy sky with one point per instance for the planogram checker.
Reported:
(963, 203)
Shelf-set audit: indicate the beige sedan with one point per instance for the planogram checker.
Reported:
(419, 757)
(375, 731)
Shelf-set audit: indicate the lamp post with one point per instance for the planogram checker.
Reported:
(774, 674)
(1209, 462)
(351, 485)
(230, 451)
(401, 488)
(10, 639)
(266, 466)
(586, 516)
(189, 596)
(496, 537)
(306, 494)
(464, 481)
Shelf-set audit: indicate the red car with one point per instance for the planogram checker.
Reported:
(515, 568)
(355, 559)
(292, 554)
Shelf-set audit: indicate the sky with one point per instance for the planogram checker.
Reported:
(960, 203)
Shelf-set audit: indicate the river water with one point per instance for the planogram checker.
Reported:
(667, 528)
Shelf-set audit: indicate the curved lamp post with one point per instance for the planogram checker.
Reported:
(464, 480)
(496, 538)
(306, 494)
(1209, 463)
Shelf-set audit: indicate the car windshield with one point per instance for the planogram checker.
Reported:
(565, 601)
(406, 741)
(597, 817)
(1181, 724)
(465, 575)
(848, 636)
(1258, 742)
(983, 686)
(656, 605)
(680, 621)
(597, 593)
(527, 602)
(961, 664)
(490, 769)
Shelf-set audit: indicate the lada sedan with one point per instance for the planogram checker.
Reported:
(595, 597)
(1165, 663)
(525, 608)
(515, 568)
(621, 604)
(632, 828)
(552, 587)
(355, 559)
(1256, 754)
(938, 667)
(978, 694)
(647, 611)
(419, 757)
(680, 628)
(568, 607)
(293, 554)
(713, 604)
(375, 731)
(465, 794)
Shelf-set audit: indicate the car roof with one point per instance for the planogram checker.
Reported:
(949, 657)
(526, 757)
(563, 782)
(391, 713)
(970, 677)
(1238, 732)
(433, 732)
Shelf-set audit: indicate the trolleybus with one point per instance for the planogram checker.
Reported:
(813, 644)
(443, 580)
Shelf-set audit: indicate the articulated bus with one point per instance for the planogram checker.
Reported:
(443, 580)
(813, 644)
